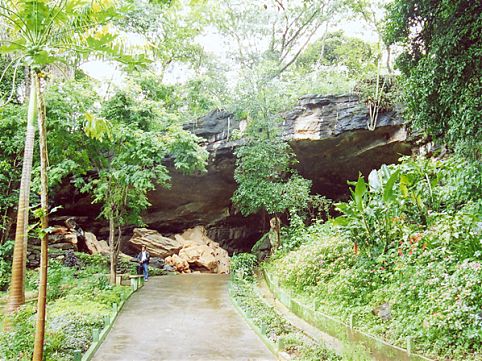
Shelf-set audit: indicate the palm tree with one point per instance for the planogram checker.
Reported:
(17, 286)
(41, 34)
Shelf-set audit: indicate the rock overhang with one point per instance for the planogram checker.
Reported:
(330, 138)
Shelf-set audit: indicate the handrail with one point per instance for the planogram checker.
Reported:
(379, 349)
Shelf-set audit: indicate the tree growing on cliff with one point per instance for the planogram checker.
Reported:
(442, 67)
(264, 172)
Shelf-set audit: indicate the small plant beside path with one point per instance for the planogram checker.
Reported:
(291, 341)
(79, 299)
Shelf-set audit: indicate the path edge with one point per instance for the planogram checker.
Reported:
(89, 354)
(301, 310)
(273, 347)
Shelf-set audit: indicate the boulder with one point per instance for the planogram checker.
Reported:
(94, 246)
(200, 257)
(196, 235)
(384, 311)
(157, 245)
(63, 246)
(178, 263)
(202, 253)
(62, 235)
(190, 250)
(222, 259)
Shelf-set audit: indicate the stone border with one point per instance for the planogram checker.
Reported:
(275, 348)
(346, 333)
(99, 336)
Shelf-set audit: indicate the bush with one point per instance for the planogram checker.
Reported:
(6, 251)
(71, 321)
(93, 264)
(78, 300)
(60, 280)
(243, 265)
(419, 232)
(17, 344)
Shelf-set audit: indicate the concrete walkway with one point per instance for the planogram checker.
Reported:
(183, 317)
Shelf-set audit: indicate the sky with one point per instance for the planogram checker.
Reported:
(109, 74)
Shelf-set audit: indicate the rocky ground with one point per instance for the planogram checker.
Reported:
(190, 251)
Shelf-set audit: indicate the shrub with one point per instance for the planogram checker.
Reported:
(243, 265)
(419, 252)
(6, 251)
(71, 320)
(17, 343)
(96, 263)
(77, 303)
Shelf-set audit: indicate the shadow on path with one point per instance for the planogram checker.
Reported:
(183, 317)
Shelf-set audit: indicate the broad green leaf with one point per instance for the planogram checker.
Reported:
(360, 191)
(388, 189)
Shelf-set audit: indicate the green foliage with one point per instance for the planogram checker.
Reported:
(401, 200)
(12, 129)
(145, 136)
(70, 324)
(388, 92)
(17, 344)
(78, 300)
(6, 252)
(441, 64)
(264, 173)
(168, 26)
(10, 77)
(245, 294)
(296, 234)
(93, 264)
(319, 207)
(418, 228)
(70, 105)
(287, 27)
(338, 50)
(369, 217)
(58, 279)
(243, 266)
(59, 32)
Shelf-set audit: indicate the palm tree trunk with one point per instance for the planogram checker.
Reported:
(42, 294)
(17, 284)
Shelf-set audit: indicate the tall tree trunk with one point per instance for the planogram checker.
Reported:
(42, 294)
(17, 284)
(113, 255)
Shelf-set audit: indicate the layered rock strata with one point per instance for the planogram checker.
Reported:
(329, 136)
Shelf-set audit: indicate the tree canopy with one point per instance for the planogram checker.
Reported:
(442, 67)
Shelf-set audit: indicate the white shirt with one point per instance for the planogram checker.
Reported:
(143, 256)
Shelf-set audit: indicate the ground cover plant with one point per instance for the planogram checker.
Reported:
(410, 237)
(262, 315)
(79, 297)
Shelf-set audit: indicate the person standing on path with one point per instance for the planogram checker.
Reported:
(143, 258)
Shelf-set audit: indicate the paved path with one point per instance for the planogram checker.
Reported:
(183, 317)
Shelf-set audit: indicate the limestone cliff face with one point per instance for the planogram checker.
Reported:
(329, 136)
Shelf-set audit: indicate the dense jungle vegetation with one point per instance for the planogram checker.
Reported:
(410, 237)
(109, 86)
